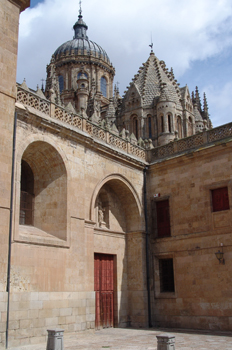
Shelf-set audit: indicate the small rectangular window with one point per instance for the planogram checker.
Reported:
(166, 274)
(220, 199)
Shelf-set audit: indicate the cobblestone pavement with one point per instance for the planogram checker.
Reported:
(142, 339)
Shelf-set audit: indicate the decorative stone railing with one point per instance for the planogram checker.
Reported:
(32, 99)
(190, 143)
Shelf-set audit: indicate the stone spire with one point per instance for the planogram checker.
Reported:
(205, 108)
(197, 100)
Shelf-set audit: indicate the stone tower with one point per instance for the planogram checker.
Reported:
(80, 73)
(155, 107)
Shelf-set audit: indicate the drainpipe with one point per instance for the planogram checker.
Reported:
(10, 229)
(147, 244)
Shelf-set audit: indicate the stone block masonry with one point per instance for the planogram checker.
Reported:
(31, 314)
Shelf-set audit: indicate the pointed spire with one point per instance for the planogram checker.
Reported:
(205, 103)
(198, 101)
(42, 86)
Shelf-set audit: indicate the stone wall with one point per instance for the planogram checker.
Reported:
(9, 19)
(52, 273)
(33, 313)
(202, 297)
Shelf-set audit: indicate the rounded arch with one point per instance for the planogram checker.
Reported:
(127, 195)
(22, 146)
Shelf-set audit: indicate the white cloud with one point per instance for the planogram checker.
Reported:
(220, 100)
(183, 31)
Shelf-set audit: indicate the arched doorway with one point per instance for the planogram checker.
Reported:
(116, 209)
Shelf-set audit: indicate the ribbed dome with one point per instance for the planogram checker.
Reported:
(82, 47)
(81, 44)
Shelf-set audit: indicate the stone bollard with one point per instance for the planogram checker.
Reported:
(55, 339)
(165, 342)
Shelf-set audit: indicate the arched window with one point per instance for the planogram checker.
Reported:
(26, 194)
(61, 83)
(149, 127)
(135, 127)
(104, 86)
(169, 123)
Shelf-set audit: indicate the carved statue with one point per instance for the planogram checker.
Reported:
(101, 212)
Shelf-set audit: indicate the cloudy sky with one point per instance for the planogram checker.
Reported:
(192, 36)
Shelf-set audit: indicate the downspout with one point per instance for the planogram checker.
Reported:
(147, 244)
(10, 229)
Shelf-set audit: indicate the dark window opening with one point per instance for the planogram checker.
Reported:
(149, 127)
(26, 195)
(166, 275)
(135, 122)
(162, 123)
(169, 123)
(220, 199)
(163, 218)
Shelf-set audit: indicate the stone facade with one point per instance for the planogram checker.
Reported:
(78, 193)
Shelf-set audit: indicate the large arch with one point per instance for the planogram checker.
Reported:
(117, 186)
(50, 198)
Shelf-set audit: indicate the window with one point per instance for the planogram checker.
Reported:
(169, 123)
(135, 127)
(163, 218)
(162, 123)
(103, 86)
(166, 274)
(149, 128)
(61, 83)
(220, 199)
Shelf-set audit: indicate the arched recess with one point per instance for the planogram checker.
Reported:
(115, 205)
(49, 209)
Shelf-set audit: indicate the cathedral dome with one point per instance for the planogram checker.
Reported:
(81, 45)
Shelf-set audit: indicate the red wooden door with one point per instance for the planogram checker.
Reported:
(104, 288)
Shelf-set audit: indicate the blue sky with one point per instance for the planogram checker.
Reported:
(194, 37)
